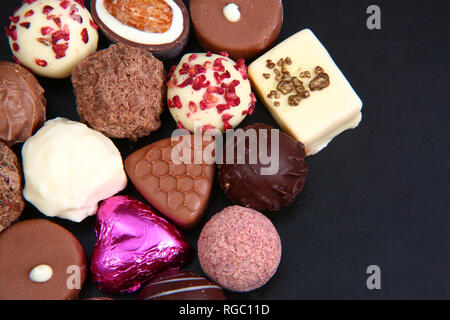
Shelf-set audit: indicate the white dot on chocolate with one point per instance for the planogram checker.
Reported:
(231, 12)
(41, 273)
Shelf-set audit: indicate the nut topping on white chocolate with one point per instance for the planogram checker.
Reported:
(50, 37)
(210, 90)
(231, 12)
(307, 95)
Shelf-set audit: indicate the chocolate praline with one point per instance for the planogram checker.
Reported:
(248, 185)
(165, 51)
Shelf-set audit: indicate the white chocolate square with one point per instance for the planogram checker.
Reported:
(326, 113)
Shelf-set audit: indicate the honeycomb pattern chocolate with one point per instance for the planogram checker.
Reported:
(178, 190)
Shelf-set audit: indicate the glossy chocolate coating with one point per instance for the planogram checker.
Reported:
(22, 103)
(181, 285)
(179, 191)
(244, 184)
(257, 29)
(165, 51)
(30, 243)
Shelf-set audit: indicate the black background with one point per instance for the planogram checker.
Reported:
(377, 194)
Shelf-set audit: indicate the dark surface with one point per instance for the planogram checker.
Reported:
(376, 195)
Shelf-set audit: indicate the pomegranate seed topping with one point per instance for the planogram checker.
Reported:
(85, 35)
(222, 107)
(251, 108)
(192, 57)
(242, 68)
(14, 19)
(29, 13)
(15, 46)
(25, 25)
(47, 9)
(60, 50)
(60, 34)
(177, 102)
(207, 64)
(81, 3)
(29, 1)
(217, 77)
(57, 21)
(209, 54)
(11, 32)
(218, 66)
(208, 127)
(41, 63)
(187, 82)
(93, 25)
(46, 30)
(226, 118)
(225, 75)
(198, 82)
(77, 18)
(192, 107)
(217, 90)
(65, 4)
(184, 69)
(224, 54)
(180, 125)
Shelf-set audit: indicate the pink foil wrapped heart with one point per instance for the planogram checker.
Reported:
(133, 245)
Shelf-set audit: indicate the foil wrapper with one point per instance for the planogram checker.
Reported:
(133, 246)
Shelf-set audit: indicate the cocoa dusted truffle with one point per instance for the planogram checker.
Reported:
(22, 103)
(265, 181)
(120, 91)
(239, 249)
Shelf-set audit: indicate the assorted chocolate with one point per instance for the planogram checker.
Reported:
(239, 248)
(69, 168)
(263, 185)
(305, 91)
(177, 284)
(209, 92)
(178, 189)
(40, 260)
(50, 36)
(244, 28)
(134, 244)
(121, 92)
(11, 199)
(22, 103)
(159, 26)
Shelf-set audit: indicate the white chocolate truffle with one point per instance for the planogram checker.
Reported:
(41, 273)
(69, 168)
(231, 12)
(326, 103)
(209, 92)
(50, 37)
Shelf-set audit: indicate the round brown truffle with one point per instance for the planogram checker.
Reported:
(261, 186)
(40, 260)
(239, 249)
(120, 91)
(22, 103)
(11, 184)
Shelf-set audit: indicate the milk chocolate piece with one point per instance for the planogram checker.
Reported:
(181, 285)
(159, 26)
(321, 106)
(35, 243)
(244, 29)
(248, 185)
(179, 191)
(22, 103)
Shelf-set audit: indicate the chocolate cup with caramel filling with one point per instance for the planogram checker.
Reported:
(164, 51)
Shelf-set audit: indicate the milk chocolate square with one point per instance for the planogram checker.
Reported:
(177, 188)
(305, 91)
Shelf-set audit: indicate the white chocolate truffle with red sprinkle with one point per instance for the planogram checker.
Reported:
(209, 92)
(50, 37)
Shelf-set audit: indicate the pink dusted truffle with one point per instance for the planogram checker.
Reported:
(239, 248)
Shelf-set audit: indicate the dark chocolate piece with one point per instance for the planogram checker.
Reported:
(259, 25)
(22, 103)
(244, 184)
(11, 184)
(32, 243)
(164, 51)
(179, 191)
(181, 285)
